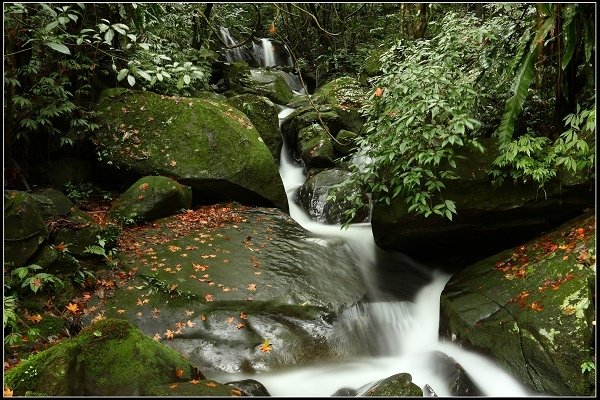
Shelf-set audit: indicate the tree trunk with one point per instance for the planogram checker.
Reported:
(200, 29)
(422, 24)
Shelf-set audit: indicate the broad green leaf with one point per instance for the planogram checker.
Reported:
(144, 75)
(514, 105)
(61, 48)
(186, 79)
(131, 80)
(103, 27)
(122, 74)
(108, 36)
(144, 46)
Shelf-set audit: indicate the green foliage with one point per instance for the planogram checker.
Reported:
(423, 110)
(27, 278)
(588, 367)
(539, 159)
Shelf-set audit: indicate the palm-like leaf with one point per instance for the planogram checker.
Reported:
(514, 105)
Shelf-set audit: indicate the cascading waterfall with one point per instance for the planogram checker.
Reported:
(399, 336)
(234, 54)
(268, 53)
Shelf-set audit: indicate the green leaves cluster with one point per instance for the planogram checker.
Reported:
(423, 111)
(539, 159)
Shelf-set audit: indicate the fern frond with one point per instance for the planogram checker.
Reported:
(514, 105)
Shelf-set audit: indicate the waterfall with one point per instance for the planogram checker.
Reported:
(268, 53)
(397, 335)
(231, 55)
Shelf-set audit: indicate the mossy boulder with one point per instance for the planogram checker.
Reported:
(263, 114)
(206, 144)
(312, 197)
(108, 358)
(306, 116)
(24, 228)
(150, 198)
(270, 84)
(344, 91)
(236, 76)
(315, 147)
(489, 218)
(69, 225)
(399, 385)
(531, 308)
(235, 289)
(345, 142)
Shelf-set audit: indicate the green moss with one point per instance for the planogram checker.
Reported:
(206, 144)
(315, 147)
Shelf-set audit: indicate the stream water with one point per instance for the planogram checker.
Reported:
(399, 325)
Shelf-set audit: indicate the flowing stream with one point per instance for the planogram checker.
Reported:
(400, 329)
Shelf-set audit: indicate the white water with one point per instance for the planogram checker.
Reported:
(403, 334)
(268, 53)
(234, 54)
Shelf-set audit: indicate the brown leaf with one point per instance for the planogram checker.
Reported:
(211, 384)
(535, 306)
(179, 372)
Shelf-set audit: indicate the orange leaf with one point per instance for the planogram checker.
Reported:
(60, 247)
(157, 337)
(211, 384)
(120, 311)
(235, 392)
(252, 287)
(240, 326)
(378, 92)
(173, 386)
(243, 315)
(73, 308)
(7, 392)
(266, 346)
(194, 381)
(203, 317)
(179, 372)
(34, 318)
(144, 186)
(209, 297)
(229, 320)
(190, 323)
(272, 28)
(169, 334)
(535, 306)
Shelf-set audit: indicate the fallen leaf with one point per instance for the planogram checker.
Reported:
(139, 314)
(157, 337)
(378, 92)
(243, 315)
(34, 318)
(173, 386)
(189, 312)
(73, 308)
(235, 392)
(535, 306)
(173, 163)
(240, 326)
(169, 334)
(203, 317)
(266, 346)
(211, 384)
(230, 320)
(252, 287)
(120, 311)
(8, 392)
(190, 323)
(209, 297)
(194, 381)
(144, 186)
(179, 372)
(60, 247)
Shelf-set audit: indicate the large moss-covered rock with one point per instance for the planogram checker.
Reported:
(489, 218)
(149, 198)
(270, 84)
(531, 308)
(206, 144)
(69, 225)
(24, 228)
(263, 114)
(236, 289)
(344, 91)
(312, 197)
(399, 385)
(345, 142)
(108, 358)
(315, 147)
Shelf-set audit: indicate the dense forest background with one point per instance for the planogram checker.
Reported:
(452, 74)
